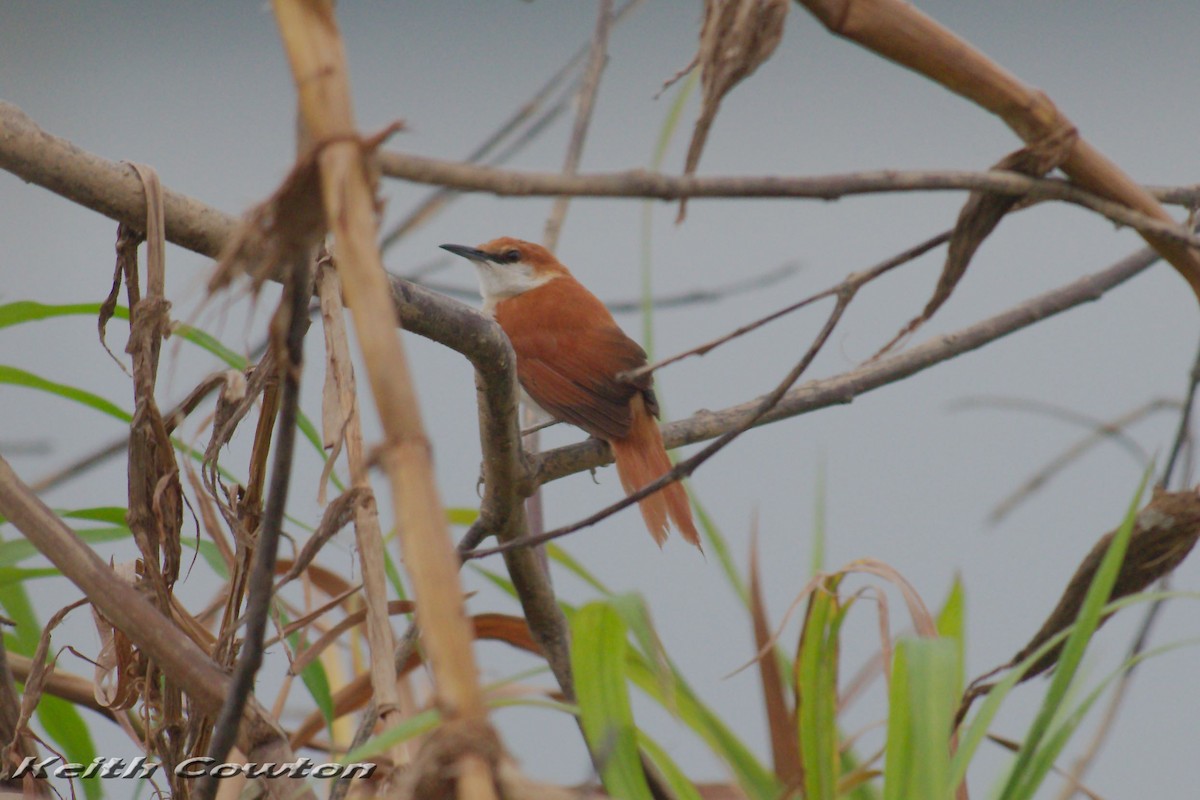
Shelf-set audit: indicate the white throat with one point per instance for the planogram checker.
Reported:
(501, 281)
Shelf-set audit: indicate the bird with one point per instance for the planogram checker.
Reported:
(570, 357)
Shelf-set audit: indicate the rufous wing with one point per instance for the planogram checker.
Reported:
(569, 354)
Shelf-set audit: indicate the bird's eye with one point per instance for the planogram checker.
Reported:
(513, 255)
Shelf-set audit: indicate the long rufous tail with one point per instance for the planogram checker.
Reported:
(641, 458)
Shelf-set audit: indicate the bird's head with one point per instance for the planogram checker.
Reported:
(508, 267)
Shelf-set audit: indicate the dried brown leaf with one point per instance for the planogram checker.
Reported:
(980, 215)
(337, 515)
(781, 724)
(288, 224)
(736, 38)
(40, 667)
(120, 670)
(355, 694)
(1164, 533)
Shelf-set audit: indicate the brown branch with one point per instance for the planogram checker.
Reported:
(638, 183)
(290, 324)
(689, 465)
(563, 461)
(438, 199)
(258, 737)
(586, 100)
(314, 49)
(898, 31)
(895, 261)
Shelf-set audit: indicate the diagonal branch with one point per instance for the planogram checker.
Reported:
(206, 684)
(557, 463)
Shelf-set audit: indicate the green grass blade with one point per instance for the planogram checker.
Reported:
(817, 692)
(598, 649)
(680, 785)
(1072, 653)
(15, 551)
(65, 726)
(19, 377)
(754, 779)
(567, 561)
(898, 760)
(113, 515)
(415, 725)
(715, 543)
(817, 554)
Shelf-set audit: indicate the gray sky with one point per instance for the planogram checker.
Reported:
(201, 92)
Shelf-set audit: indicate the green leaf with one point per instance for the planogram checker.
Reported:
(210, 553)
(817, 692)
(754, 779)
(17, 550)
(922, 701)
(65, 726)
(314, 677)
(817, 556)
(30, 311)
(413, 726)
(680, 785)
(1022, 780)
(598, 651)
(19, 377)
(113, 515)
(564, 559)
(951, 623)
(715, 543)
(18, 574)
(462, 516)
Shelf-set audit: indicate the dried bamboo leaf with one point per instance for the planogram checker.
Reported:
(120, 668)
(736, 38)
(40, 667)
(781, 724)
(982, 212)
(1165, 532)
(288, 224)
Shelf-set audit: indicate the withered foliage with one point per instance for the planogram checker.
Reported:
(1164, 532)
(736, 38)
(980, 215)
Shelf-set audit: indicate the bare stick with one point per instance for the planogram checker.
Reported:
(315, 53)
(689, 465)
(583, 118)
(293, 313)
(880, 269)
(437, 200)
(554, 464)
(176, 654)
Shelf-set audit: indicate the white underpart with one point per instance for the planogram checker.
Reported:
(500, 281)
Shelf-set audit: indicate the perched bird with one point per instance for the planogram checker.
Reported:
(569, 354)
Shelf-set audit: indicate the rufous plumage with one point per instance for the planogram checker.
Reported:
(570, 353)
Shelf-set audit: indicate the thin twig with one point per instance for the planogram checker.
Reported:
(294, 313)
(640, 183)
(583, 118)
(689, 465)
(1083, 763)
(562, 461)
(873, 273)
(1183, 433)
(1112, 430)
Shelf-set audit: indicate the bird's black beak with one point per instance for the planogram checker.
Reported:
(470, 253)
